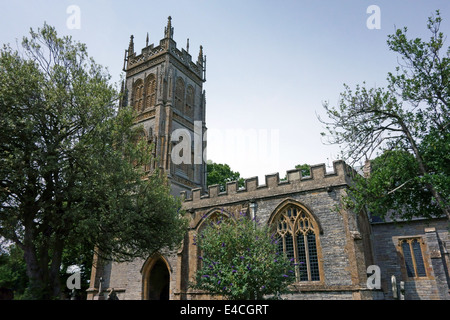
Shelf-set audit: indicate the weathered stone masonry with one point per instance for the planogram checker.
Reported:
(343, 253)
(348, 242)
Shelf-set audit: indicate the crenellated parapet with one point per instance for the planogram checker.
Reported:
(150, 54)
(319, 179)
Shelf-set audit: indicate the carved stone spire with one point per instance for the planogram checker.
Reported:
(168, 31)
(146, 41)
(131, 46)
(187, 45)
(200, 56)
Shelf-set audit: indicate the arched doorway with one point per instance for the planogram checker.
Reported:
(156, 279)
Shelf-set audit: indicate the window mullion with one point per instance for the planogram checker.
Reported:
(308, 267)
(295, 248)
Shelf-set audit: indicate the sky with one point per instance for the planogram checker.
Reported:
(270, 64)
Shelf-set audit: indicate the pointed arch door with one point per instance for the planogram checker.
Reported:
(156, 279)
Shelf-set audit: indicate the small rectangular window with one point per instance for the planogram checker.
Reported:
(411, 250)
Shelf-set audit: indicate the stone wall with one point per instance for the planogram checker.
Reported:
(343, 249)
(347, 242)
(436, 242)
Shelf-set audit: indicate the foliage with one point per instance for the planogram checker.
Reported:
(240, 260)
(13, 271)
(305, 169)
(221, 174)
(393, 188)
(71, 165)
(410, 115)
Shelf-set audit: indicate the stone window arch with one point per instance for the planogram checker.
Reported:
(190, 102)
(150, 91)
(179, 94)
(297, 232)
(138, 95)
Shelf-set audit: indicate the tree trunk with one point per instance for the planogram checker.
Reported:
(55, 267)
(33, 269)
(44, 279)
(33, 272)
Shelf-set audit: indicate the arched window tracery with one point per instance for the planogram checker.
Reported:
(179, 94)
(138, 95)
(297, 235)
(190, 102)
(150, 91)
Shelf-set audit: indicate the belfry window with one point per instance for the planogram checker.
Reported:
(150, 91)
(179, 94)
(297, 238)
(138, 95)
(190, 102)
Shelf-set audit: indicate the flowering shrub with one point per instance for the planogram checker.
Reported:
(240, 260)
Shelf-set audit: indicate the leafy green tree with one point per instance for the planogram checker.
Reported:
(240, 260)
(305, 169)
(410, 115)
(393, 188)
(221, 174)
(76, 256)
(13, 271)
(71, 165)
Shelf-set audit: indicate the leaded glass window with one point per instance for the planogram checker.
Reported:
(413, 257)
(297, 239)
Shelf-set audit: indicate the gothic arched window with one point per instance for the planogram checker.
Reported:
(179, 94)
(297, 236)
(150, 91)
(190, 102)
(138, 95)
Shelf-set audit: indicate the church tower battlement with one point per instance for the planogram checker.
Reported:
(319, 179)
(165, 87)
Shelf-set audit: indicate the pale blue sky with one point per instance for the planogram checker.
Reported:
(270, 64)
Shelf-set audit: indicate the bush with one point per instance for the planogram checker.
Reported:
(240, 260)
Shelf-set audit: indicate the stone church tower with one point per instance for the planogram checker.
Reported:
(165, 87)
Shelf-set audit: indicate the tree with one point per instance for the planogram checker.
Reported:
(410, 115)
(392, 188)
(221, 174)
(13, 271)
(240, 260)
(305, 169)
(71, 165)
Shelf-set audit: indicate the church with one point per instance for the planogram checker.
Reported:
(344, 254)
